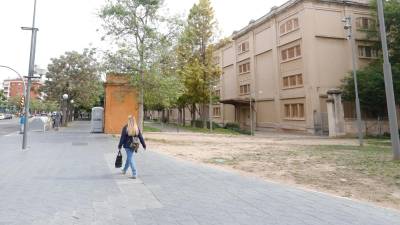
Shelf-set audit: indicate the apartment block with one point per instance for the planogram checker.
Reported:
(14, 87)
(283, 64)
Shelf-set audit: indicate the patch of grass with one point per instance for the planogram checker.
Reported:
(373, 160)
(379, 142)
(150, 129)
(215, 131)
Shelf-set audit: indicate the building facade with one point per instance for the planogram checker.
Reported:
(283, 64)
(276, 71)
(15, 88)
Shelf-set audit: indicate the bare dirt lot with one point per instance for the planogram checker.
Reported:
(336, 166)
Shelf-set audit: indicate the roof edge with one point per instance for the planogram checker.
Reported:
(276, 10)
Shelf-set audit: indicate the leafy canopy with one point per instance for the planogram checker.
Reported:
(75, 74)
(371, 79)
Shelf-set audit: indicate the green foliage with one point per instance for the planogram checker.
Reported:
(37, 105)
(3, 99)
(14, 103)
(150, 129)
(370, 79)
(76, 74)
(199, 124)
(195, 53)
(144, 51)
(232, 126)
(236, 127)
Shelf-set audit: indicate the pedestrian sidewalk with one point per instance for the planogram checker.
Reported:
(68, 177)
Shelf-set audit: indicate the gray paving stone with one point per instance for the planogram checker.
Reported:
(56, 182)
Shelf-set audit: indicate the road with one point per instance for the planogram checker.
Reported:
(9, 126)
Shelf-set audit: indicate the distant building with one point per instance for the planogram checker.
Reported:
(15, 87)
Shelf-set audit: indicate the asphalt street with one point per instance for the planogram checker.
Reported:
(9, 126)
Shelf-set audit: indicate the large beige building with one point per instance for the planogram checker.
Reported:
(286, 61)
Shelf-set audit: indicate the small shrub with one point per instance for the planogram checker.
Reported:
(199, 124)
(236, 127)
(232, 126)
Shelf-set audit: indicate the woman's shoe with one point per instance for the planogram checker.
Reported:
(123, 172)
(133, 177)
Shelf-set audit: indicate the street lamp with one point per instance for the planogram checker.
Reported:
(30, 73)
(387, 72)
(350, 37)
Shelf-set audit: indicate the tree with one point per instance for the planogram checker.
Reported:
(15, 103)
(195, 56)
(3, 98)
(370, 79)
(134, 23)
(75, 74)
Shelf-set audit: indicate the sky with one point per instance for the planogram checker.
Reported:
(70, 25)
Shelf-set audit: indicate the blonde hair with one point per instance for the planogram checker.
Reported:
(133, 129)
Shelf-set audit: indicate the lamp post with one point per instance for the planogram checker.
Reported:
(64, 110)
(350, 37)
(387, 71)
(30, 74)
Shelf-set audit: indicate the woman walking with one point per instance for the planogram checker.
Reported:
(130, 138)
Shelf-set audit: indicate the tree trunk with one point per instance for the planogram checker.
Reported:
(193, 114)
(141, 99)
(184, 117)
(204, 116)
(168, 111)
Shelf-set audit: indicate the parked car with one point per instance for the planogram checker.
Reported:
(2, 116)
(8, 116)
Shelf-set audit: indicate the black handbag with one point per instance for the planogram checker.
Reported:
(118, 160)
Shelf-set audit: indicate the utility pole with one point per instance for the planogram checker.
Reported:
(251, 114)
(387, 71)
(30, 74)
(210, 110)
(348, 26)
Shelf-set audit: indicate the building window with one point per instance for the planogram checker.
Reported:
(291, 53)
(245, 89)
(367, 52)
(293, 81)
(217, 93)
(243, 47)
(365, 23)
(244, 68)
(217, 111)
(289, 26)
(294, 111)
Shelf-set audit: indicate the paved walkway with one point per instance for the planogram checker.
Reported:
(67, 177)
